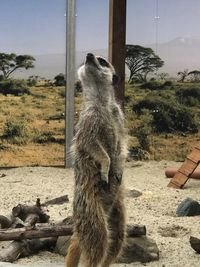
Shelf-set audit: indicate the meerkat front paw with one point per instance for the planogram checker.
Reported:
(104, 177)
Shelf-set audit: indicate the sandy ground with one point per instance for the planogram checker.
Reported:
(155, 208)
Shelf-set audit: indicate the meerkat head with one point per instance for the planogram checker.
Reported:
(97, 71)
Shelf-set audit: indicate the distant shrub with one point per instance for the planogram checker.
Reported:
(143, 138)
(167, 83)
(16, 132)
(44, 137)
(135, 80)
(137, 153)
(144, 130)
(58, 116)
(155, 85)
(13, 87)
(32, 80)
(167, 116)
(188, 96)
(78, 87)
(151, 85)
(60, 80)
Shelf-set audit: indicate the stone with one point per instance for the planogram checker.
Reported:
(195, 243)
(188, 207)
(62, 245)
(142, 249)
(133, 193)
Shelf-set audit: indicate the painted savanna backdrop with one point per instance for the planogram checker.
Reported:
(162, 90)
(162, 114)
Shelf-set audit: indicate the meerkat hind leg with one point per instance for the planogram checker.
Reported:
(117, 232)
(73, 254)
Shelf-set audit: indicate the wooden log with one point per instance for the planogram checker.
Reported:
(46, 230)
(170, 172)
(30, 215)
(56, 201)
(38, 232)
(23, 211)
(5, 222)
(18, 249)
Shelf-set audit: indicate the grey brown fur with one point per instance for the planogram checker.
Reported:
(99, 220)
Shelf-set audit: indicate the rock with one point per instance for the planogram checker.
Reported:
(133, 193)
(195, 243)
(188, 207)
(62, 245)
(141, 249)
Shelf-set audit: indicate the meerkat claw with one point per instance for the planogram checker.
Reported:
(118, 177)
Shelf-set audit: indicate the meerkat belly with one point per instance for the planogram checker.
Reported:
(109, 139)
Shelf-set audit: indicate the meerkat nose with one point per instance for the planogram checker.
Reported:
(90, 56)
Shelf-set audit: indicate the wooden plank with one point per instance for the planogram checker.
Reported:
(117, 41)
(178, 180)
(198, 146)
(194, 156)
(188, 167)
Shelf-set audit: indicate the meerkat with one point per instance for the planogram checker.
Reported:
(98, 208)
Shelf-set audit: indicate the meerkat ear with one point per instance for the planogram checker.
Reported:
(115, 79)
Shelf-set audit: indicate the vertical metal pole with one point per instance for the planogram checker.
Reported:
(70, 79)
(117, 42)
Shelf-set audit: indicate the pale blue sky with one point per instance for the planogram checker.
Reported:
(38, 26)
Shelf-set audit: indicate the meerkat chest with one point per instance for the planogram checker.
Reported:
(109, 134)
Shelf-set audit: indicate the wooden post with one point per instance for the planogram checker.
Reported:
(117, 42)
(70, 79)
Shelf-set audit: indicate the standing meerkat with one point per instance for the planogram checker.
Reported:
(98, 209)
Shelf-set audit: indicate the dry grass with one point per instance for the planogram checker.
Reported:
(42, 111)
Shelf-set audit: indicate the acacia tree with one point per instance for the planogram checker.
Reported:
(195, 75)
(11, 62)
(163, 75)
(141, 61)
(183, 75)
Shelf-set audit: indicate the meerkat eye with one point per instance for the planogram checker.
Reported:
(103, 62)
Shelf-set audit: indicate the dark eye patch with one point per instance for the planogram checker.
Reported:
(103, 62)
